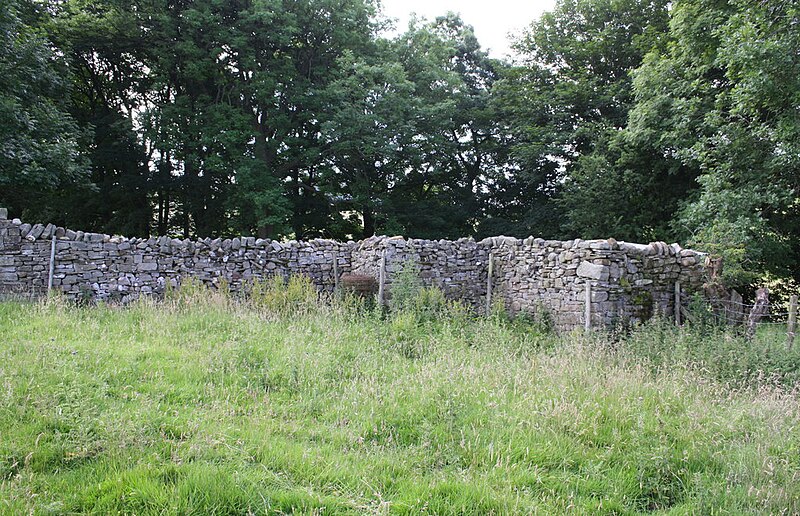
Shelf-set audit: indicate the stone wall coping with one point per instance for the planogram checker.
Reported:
(33, 232)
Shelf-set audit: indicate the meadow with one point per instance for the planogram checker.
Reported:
(205, 404)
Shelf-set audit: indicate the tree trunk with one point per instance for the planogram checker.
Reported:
(760, 309)
(369, 222)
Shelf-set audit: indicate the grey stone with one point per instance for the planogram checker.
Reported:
(36, 232)
(48, 231)
(592, 271)
(528, 273)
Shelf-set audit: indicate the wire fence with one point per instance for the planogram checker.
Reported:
(750, 317)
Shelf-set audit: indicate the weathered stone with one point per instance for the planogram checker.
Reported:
(527, 273)
(592, 271)
(600, 245)
(35, 232)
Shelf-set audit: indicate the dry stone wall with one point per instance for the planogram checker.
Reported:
(629, 282)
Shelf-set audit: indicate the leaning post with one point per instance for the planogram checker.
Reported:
(792, 321)
(587, 311)
(382, 280)
(759, 310)
(52, 263)
(489, 283)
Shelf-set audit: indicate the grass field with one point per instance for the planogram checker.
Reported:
(201, 405)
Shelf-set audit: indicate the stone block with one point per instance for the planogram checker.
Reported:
(35, 232)
(49, 231)
(593, 271)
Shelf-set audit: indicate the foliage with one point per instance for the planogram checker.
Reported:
(39, 140)
(721, 99)
(563, 106)
(634, 119)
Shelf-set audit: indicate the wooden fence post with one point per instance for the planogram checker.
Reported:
(52, 264)
(677, 303)
(792, 321)
(382, 279)
(734, 313)
(759, 310)
(587, 311)
(335, 273)
(489, 283)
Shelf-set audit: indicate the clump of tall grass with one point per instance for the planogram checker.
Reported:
(276, 295)
(411, 299)
(191, 292)
(719, 352)
(295, 296)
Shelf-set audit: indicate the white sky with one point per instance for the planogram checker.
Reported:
(492, 19)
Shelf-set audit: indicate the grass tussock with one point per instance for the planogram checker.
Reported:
(280, 403)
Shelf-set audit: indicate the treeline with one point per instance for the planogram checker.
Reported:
(637, 119)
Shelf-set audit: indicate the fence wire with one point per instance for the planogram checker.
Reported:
(738, 313)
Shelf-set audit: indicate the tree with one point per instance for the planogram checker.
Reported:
(369, 133)
(410, 134)
(722, 100)
(106, 51)
(461, 149)
(287, 57)
(39, 140)
(564, 107)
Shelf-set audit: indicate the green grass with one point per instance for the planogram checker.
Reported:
(202, 405)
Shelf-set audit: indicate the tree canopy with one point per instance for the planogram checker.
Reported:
(637, 119)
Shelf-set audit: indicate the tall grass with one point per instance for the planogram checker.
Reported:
(280, 403)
